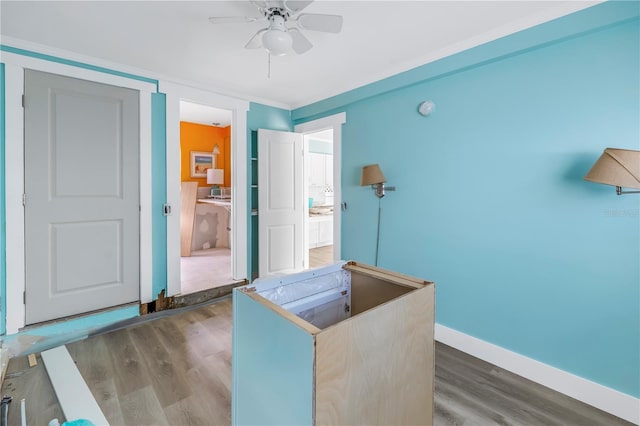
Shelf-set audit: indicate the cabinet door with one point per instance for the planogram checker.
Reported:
(328, 169)
(313, 234)
(325, 232)
(316, 165)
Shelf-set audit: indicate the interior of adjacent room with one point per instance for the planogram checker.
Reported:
(206, 188)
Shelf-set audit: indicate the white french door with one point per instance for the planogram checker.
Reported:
(280, 202)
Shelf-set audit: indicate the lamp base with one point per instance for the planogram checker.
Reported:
(215, 190)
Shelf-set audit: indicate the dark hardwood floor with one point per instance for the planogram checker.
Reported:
(176, 370)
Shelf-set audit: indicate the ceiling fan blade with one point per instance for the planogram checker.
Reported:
(296, 6)
(260, 4)
(232, 19)
(320, 22)
(256, 40)
(300, 43)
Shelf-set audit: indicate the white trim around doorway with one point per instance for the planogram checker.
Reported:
(334, 122)
(239, 209)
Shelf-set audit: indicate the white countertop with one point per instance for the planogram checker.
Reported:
(215, 202)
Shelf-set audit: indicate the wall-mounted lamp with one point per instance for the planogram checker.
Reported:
(372, 175)
(619, 168)
(215, 152)
(215, 177)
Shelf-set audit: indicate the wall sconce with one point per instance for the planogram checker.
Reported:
(617, 167)
(372, 175)
(215, 152)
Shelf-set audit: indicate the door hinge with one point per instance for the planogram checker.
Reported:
(24, 297)
(166, 209)
(23, 101)
(347, 308)
(24, 200)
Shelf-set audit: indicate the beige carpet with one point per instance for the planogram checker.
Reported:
(205, 269)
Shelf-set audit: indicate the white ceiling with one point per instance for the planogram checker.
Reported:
(203, 114)
(174, 40)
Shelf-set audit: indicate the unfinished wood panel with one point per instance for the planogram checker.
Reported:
(188, 194)
(368, 292)
(306, 326)
(385, 275)
(377, 368)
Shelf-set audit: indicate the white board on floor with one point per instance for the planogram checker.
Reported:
(75, 398)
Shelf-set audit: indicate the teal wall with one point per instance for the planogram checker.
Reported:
(3, 224)
(159, 191)
(259, 117)
(490, 199)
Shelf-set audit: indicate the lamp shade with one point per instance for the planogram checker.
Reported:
(215, 176)
(372, 175)
(617, 167)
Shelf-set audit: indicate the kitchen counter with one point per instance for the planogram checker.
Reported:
(216, 202)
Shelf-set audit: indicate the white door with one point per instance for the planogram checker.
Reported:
(280, 202)
(82, 207)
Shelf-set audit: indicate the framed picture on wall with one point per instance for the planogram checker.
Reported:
(200, 162)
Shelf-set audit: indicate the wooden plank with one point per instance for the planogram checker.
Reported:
(74, 395)
(378, 368)
(382, 274)
(188, 195)
(306, 326)
(32, 360)
(368, 292)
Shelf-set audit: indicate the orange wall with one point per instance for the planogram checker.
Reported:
(198, 137)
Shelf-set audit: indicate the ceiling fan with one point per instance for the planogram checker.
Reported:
(280, 36)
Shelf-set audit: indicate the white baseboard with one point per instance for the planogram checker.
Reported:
(604, 398)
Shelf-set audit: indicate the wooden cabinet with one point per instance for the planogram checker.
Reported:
(339, 345)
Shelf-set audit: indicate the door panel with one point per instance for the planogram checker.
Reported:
(280, 201)
(82, 196)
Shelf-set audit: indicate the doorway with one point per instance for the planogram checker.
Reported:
(332, 123)
(206, 197)
(320, 188)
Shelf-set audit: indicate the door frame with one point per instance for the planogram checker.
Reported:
(334, 122)
(239, 207)
(15, 64)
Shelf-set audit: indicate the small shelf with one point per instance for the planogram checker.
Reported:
(254, 212)
(254, 159)
(254, 186)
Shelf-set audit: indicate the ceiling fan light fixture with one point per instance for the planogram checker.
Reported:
(277, 42)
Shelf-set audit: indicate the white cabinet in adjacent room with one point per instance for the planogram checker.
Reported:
(320, 231)
(317, 169)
